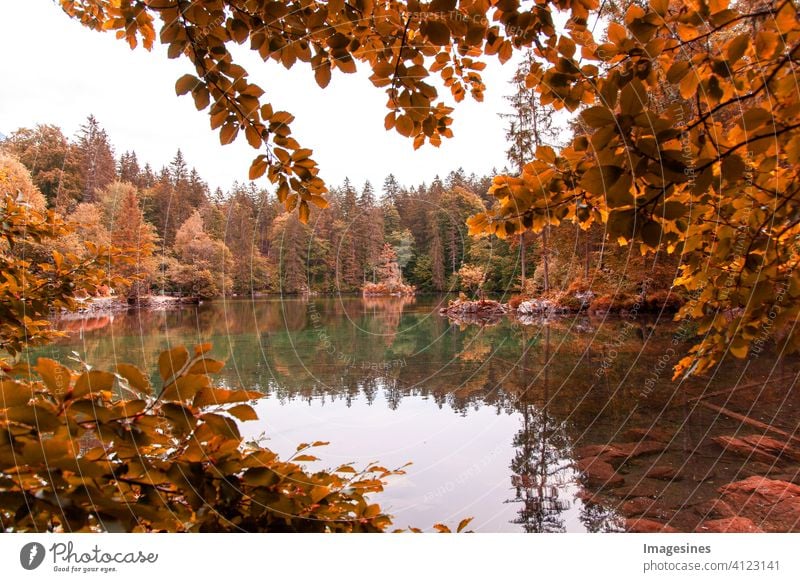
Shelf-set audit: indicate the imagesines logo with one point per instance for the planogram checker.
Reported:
(31, 555)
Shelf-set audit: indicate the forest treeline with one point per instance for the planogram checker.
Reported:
(193, 241)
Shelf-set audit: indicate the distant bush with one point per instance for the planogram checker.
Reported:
(515, 300)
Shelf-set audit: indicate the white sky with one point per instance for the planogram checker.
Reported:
(55, 71)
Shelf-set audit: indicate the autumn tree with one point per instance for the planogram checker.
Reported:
(249, 270)
(471, 277)
(34, 286)
(89, 224)
(389, 275)
(370, 231)
(203, 266)
(52, 160)
(15, 180)
(129, 231)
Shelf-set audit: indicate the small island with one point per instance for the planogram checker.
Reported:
(390, 277)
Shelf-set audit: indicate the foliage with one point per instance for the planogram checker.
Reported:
(390, 278)
(401, 43)
(15, 178)
(203, 265)
(88, 223)
(54, 162)
(87, 450)
(130, 231)
(32, 287)
(690, 143)
(471, 277)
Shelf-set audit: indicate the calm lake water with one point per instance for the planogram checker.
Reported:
(493, 419)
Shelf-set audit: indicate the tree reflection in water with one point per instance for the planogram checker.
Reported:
(541, 467)
(397, 360)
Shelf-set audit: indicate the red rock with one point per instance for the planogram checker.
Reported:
(608, 453)
(592, 451)
(616, 453)
(647, 526)
(728, 525)
(599, 473)
(790, 477)
(640, 489)
(773, 504)
(713, 509)
(654, 434)
(759, 447)
(645, 507)
(663, 472)
(641, 448)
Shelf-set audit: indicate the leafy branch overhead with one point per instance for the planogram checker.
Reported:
(689, 141)
(403, 44)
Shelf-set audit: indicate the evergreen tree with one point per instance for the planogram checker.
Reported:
(530, 126)
(97, 162)
(128, 169)
(391, 189)
(437, 261)
(370, 230)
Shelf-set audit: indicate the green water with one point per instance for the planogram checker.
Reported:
(490, 417)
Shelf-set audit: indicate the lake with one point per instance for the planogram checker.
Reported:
(495, 420)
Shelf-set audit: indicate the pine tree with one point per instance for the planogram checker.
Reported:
(178, 171)
(391, 189)
(148, 177)
(128, 169)
(437, 261)
(249, 268)
(97, 162)
(289, 238)
(530, 126)
(349, 200)
(370, 229)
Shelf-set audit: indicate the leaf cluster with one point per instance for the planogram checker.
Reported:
(90, 450)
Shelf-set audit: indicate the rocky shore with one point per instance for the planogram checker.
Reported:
(109, 305)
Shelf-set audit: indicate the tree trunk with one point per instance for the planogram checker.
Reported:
(588, 253)
(545, 260)
(522, 260)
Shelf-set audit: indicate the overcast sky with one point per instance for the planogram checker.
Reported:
(55, 71)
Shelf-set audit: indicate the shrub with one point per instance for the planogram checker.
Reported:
(514, 301)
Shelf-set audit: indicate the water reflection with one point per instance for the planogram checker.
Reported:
(495, 418)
